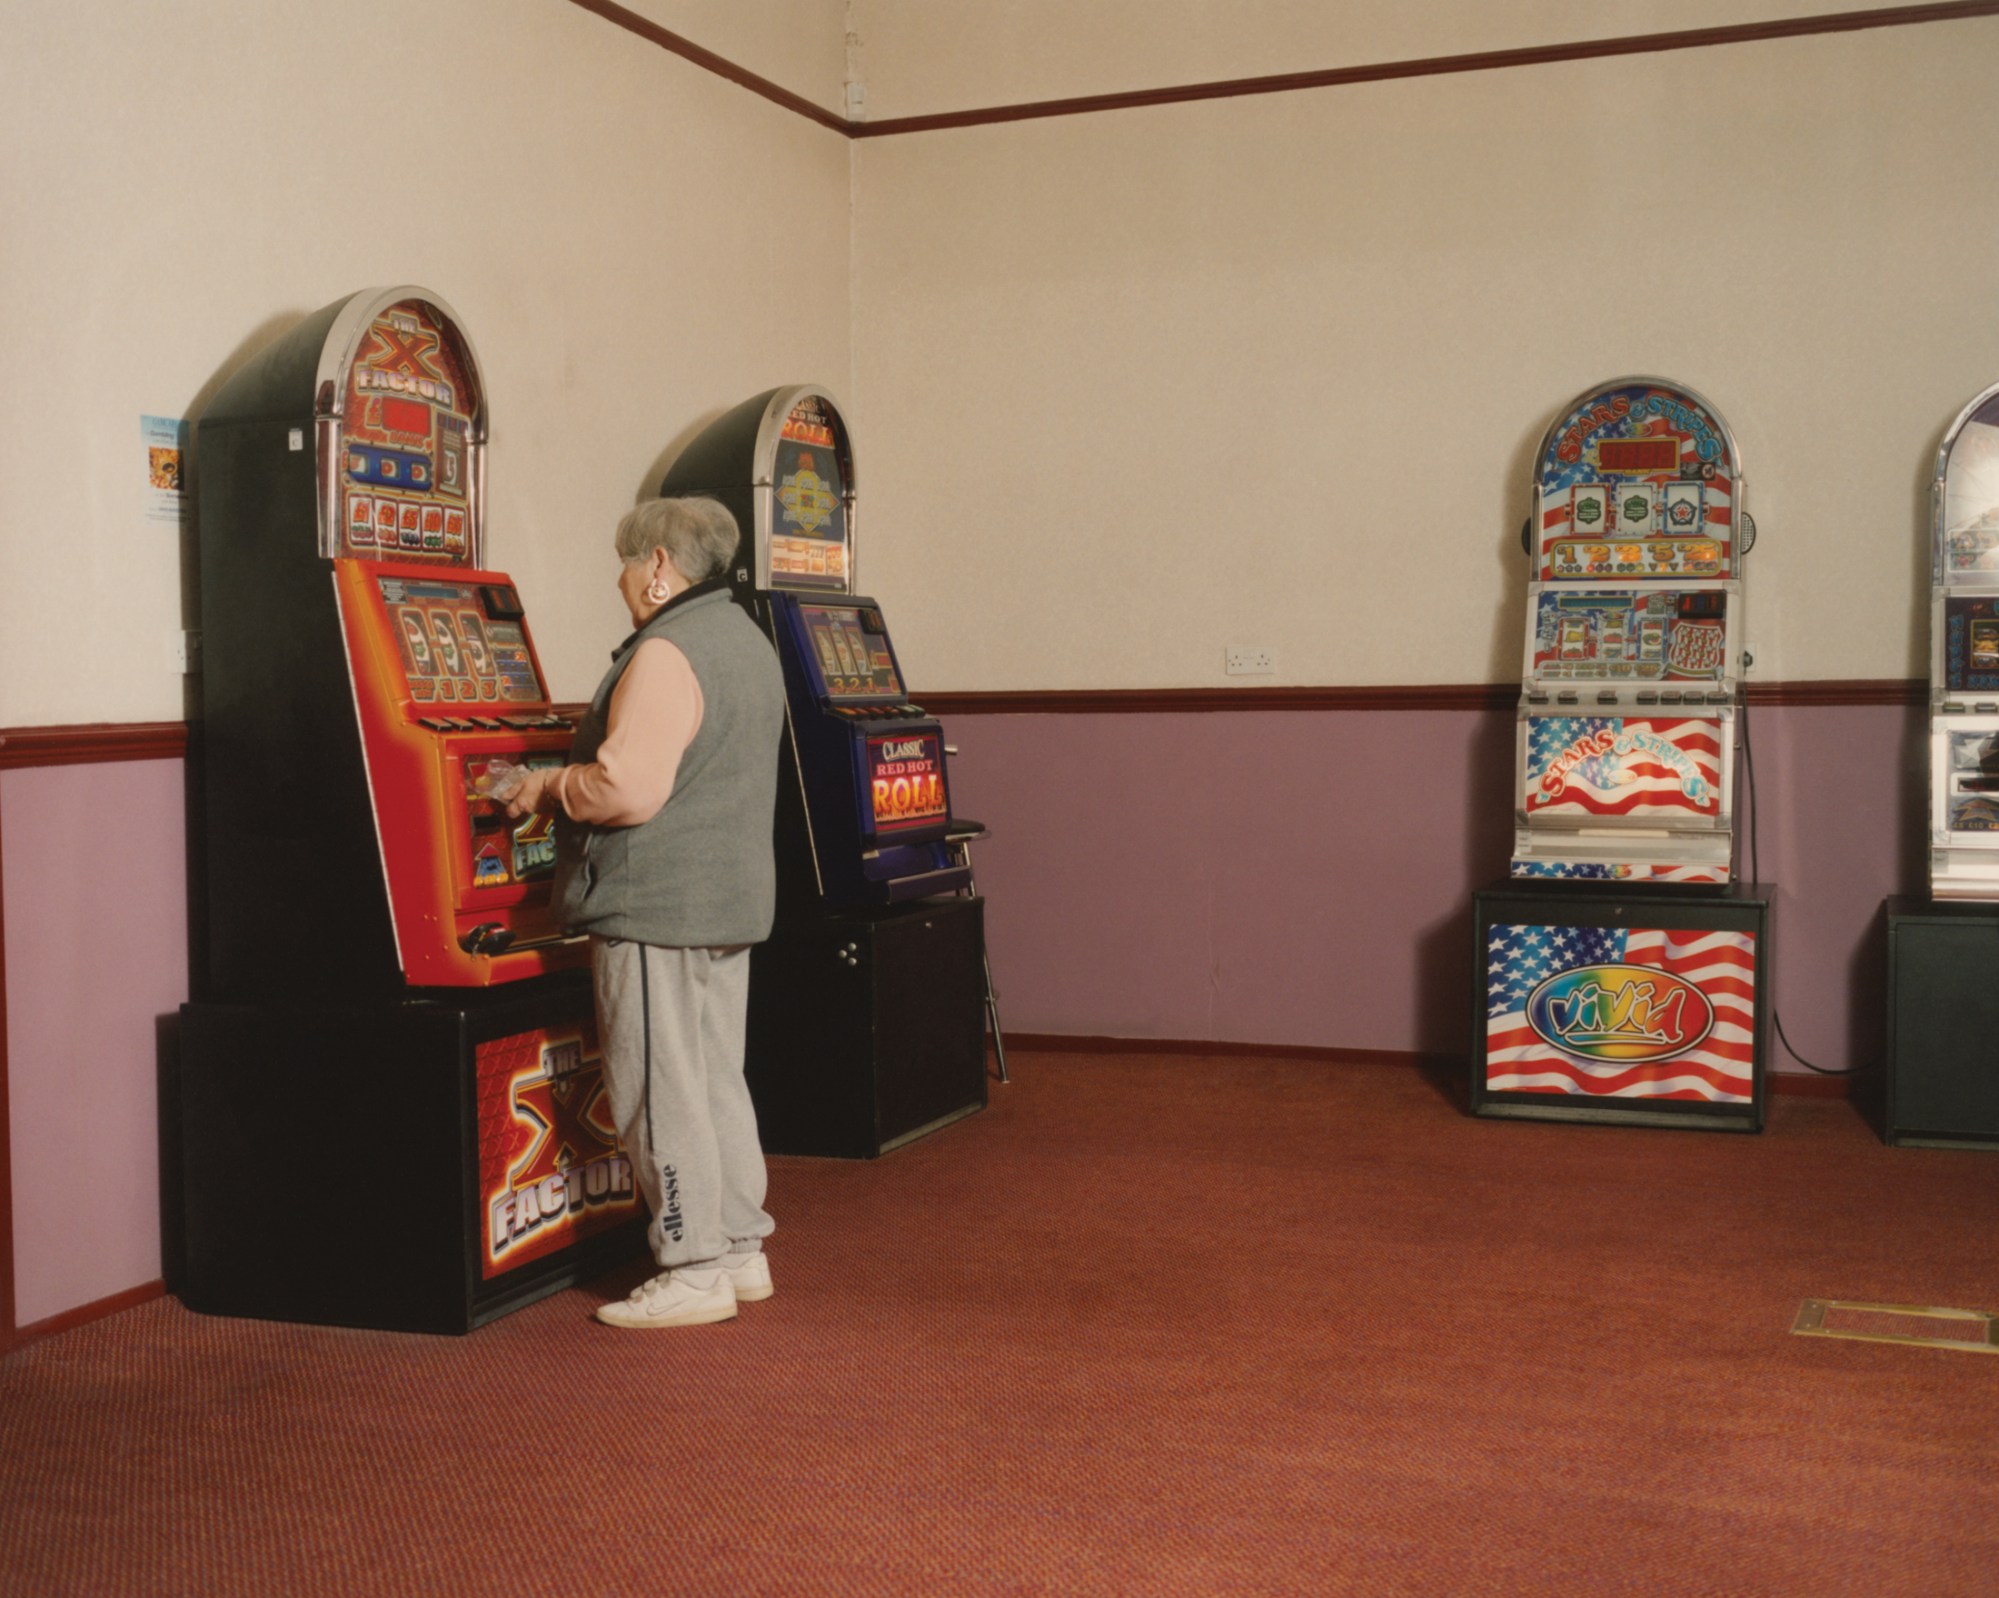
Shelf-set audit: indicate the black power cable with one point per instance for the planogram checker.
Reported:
(1756, 875)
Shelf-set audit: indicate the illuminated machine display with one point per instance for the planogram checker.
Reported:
(1943, 955)
(866, 1024)
(389, 1027)
(1620, 972)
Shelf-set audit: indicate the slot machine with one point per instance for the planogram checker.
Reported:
(866, 1023)
(392, 1107)
(1620, 969)
(1943, 954)
(1964, 657)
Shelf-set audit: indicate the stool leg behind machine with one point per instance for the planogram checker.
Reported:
(959, 840)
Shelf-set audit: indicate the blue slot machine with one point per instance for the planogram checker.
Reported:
(1623, 971)
(391, 1110)
(867, 1005)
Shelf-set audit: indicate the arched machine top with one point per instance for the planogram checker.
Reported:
(1638, 479)
(783, 462)
(1964, 497)
(399, 408)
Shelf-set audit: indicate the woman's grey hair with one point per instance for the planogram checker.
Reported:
(698, 535)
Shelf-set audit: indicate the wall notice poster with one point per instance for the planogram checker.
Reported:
(551, 1171)
(165, 439)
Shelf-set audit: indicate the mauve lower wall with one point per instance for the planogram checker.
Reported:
(95, 872)
(1256, 877)
(1305, 877)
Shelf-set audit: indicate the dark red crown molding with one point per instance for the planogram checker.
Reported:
(1291, 82)
(688, 50)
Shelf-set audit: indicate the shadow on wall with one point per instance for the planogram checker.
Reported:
(1448, 1007)
(670, 452)
(1446, 1000)
(1509, 618)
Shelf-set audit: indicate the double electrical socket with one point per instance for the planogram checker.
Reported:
(1250, 660)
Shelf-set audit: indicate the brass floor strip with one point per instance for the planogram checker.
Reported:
(1969, 1330)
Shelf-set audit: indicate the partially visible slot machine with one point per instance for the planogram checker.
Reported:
(392, 1108)
(1943, 953)
(1964, 657)
(1621, 972)
(867, 1004)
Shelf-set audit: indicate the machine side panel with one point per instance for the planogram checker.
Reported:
(294, 901)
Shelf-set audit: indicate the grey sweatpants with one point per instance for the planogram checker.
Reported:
(670, 1022)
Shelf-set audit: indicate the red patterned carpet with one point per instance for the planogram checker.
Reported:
(1149, 1325)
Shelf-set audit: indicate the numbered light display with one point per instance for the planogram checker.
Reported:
(1964, 657)
(1621, 972)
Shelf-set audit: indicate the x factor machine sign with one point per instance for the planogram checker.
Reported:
(405, 352)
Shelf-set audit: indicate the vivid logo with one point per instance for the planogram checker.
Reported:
(1624, 1013)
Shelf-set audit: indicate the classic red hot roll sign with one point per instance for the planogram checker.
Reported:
(906, 780)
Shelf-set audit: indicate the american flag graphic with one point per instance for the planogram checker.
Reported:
(1590, 870)
(1623, 766)
(1518, 1059)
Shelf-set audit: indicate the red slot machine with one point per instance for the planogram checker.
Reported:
(392, 1110)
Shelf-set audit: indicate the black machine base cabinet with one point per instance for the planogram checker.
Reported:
(867, 1029)
(1943, 1024)
(1592, 1002)
(331, 1163)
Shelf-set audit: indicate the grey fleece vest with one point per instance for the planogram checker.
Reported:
(700, 873)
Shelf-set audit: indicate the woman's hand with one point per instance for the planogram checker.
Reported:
(533, 794)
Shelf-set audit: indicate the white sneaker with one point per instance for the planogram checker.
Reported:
(750, 1273)
(674, 1298)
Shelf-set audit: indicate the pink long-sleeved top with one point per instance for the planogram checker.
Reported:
(655, 713)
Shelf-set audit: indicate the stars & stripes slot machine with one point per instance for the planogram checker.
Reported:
(1621, 970)
(391, 1107)
(866, 1022)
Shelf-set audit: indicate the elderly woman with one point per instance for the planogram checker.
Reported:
(663, 855)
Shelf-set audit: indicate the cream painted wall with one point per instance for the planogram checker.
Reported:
(800, 45)
(1136, 386)
(926, 56)
(633, 243)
